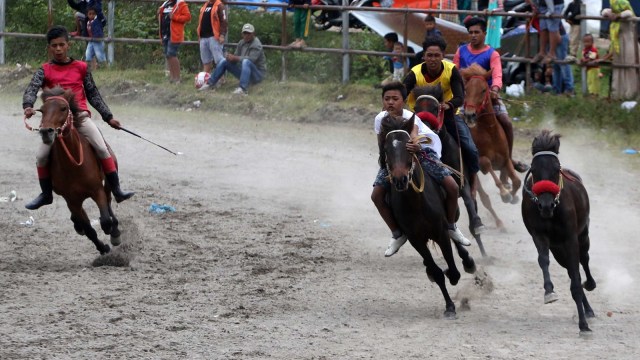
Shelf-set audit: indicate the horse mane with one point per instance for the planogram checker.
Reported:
(546, 141)
(473, 70)
(433, 90)
(67, 94)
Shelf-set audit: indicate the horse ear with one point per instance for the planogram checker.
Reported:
(488, 76)
(408, 125)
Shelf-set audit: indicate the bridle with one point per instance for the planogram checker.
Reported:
(440, 115)
(59, 132)
(414, 159)
(486, 101)
(542, 186)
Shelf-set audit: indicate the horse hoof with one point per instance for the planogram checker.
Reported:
(589, 285)
(515, 199)
(105, 250)
(585, 331)
(450, 315)
(589, 313)
(453, 277)
(469, 268)
(550, 297)
(115, 240)
(506, 198)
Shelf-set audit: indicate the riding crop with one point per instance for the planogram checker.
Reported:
(147, 140)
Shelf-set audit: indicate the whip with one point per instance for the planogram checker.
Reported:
(147, 140)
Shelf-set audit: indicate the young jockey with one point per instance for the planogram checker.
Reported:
(436, 70)
(477, 52)
(393, 97)
(71, 74)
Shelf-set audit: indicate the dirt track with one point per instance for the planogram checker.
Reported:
(275, 251)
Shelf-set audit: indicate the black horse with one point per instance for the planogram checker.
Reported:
(429, 99)
(418, 206)
(555, 210)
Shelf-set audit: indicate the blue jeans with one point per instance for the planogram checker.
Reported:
(469, 150)
(562, 74)
(247, 72)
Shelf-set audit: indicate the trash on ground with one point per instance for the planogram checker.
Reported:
(515, 90)
(323, 224)
(29, 222)
(628, 105)
(161, 209)
(14, 196)
(630, 151)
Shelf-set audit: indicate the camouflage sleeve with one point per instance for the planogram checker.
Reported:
(31, 92)
(95, 99)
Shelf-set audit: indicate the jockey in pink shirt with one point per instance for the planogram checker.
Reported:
(477, 52)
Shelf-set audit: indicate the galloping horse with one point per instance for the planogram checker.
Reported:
(487, 133)
(428, 99)
(75, 170)
(418, 206)
(555, 210)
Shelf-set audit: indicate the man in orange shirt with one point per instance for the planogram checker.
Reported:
(172, 16)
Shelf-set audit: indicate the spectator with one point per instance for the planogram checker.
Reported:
(549, 28)
(247, 64)
(430, 27)
(624, 81)
(590, 59)
(81, 7)
(95, 47)
(212, 32)
(399, 64)
(562, 73)
(301, 19)
(542, 79)
(172, 16)
(570, 13)
(389, 41)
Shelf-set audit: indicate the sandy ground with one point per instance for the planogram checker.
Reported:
(275, 251)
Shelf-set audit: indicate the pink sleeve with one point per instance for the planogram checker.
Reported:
(456, 58)
(496, 70)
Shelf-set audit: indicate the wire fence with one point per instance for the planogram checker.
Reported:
(345, 50)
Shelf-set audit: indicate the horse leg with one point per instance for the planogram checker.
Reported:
(486, 202)
(468, 263)
(447, 253)
(475, 223)
(100, 198)
(590, 284)
(588, 311)
(577, 293)
(115, 231)
(485, 163)
(77, 224)
(435, 274)
(543, 261)
(89, 231)
(515, 182)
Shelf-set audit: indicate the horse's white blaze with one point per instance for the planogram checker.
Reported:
(396, 143)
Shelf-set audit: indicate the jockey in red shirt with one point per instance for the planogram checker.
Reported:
(71, 74)
(484, 55)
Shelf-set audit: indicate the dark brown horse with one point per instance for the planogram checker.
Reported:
(428, 98)
(487, 133)
(555, 210)
(418, 206)
(75, 169)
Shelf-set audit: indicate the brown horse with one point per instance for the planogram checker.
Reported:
(76, 173)
(555, 210)
(418, 206)
(487, 133)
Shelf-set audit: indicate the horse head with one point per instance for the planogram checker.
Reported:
(428, 100)
(58, 108)
(477, 96)
(546, 177)
(399, 161)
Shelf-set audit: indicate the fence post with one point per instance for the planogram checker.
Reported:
(583, 32)
(110, 30)
(283, 42)
(2, 17)
(345, 43)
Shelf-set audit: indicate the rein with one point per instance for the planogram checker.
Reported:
(542, 186)
(60, 132)
(417, 189)
(485, 101)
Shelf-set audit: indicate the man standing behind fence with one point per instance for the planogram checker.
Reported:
(172, 15)
(212, 32)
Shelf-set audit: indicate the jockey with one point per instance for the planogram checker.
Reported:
(484, 55)
(393, 97)
(71, 74)
(433, 71)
